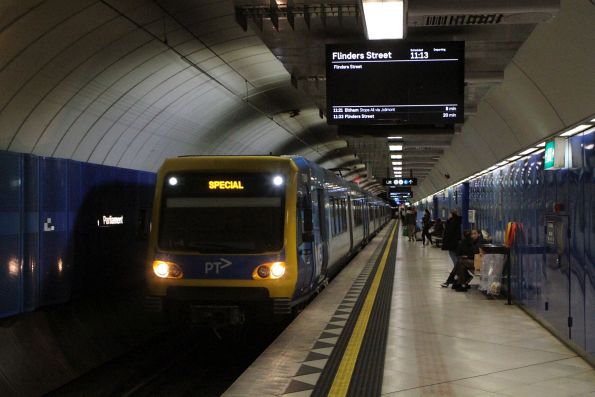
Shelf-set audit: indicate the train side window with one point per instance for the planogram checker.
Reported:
(334, 217)
(343, 215)
(358, 212)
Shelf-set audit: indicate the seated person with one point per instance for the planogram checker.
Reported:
(437, 229)
(467, 249)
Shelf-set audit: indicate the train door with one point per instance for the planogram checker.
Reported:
(350, 220)
(366, 218)
(305, 237)
(324, 233)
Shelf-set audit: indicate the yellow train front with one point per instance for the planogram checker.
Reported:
(242, 236)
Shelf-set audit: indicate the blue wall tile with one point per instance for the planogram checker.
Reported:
(11, 244)
(51, 246)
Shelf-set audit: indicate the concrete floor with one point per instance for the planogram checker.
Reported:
(447, 343)
(441, 342)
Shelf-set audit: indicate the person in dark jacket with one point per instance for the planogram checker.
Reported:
(438, 228)
(452, 235)
(468, 248)
(426, 224)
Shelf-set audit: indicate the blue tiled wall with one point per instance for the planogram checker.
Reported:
(556, 282)
(51, 246)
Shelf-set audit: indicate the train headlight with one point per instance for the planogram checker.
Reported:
(277, 180)
(269, 270)
(164, 269)
(263, 271)
(277, 269)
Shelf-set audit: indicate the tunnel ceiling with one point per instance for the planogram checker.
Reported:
(130, 83)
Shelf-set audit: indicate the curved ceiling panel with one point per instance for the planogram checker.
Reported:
(547, 88)
(131, 83)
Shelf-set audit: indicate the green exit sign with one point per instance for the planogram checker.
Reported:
(550, 155)
(555, 154)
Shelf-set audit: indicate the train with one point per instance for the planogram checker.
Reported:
(234, 237)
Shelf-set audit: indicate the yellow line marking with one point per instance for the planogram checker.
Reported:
(343, 377)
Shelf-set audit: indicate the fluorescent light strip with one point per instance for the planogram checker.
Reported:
(513, 158)
(395, 137)
(398, 156)
(542, 144)
(526, 152)
(384, 20)
(395, 148)
(576, 130)
(500, 164)
(397, 163)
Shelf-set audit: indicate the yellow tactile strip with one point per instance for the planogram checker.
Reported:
(307, 376)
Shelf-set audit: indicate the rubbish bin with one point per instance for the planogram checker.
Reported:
(492, 265)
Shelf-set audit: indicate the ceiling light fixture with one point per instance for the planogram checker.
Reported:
(395, 148)
(396, 156)
(384, 19)
(395, 137)
(575, 130)
(528, 151)
(513, 158)
(397, 163)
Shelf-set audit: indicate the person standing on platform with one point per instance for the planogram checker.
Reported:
(410, 219)
(452, 235)
(426, 224)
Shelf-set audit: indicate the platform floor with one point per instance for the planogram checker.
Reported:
(440, 342)
(447, 343)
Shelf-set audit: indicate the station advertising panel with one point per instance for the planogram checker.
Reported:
(394, 82)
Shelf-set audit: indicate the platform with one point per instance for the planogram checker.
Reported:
(437, 341)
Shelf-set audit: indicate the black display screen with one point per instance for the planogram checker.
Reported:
(395, 82)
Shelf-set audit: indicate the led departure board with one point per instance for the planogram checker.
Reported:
(395, 82)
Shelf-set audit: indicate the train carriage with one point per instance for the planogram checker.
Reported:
(251, 235)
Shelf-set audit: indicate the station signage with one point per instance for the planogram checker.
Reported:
(110, 221)
(550, 153)
(555, 154)
(399, 188)
(401, 195)
(399, 182)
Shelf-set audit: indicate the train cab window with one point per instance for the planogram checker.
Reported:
(223, 213)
